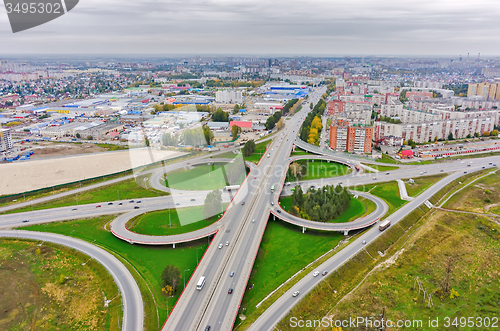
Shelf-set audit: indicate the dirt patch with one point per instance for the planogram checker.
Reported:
(50, 149)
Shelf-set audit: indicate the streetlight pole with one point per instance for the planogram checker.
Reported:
(169, 219)
(325, 195)
(184, 274)
(197, 255)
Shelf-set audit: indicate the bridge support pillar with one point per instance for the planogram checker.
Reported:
(303, 230)
(174, 245)
(346, 232)
(274, 217)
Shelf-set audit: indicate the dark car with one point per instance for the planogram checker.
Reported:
(324, 273)
(207, 328)
(243, 203)
(136, 207)
(139, 201)
(193, 199)
(279, 211)
(120, 204)
(230, 291)
(110, 203)
(131, 201)
(25, 221)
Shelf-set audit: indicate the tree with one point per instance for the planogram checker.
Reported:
(78, 135)
(171, 276)
(494, 132)
(450, 136)
(235, 131)
(146, 141)
(486, 133)
(270, 123)
(476, 134)
(194, 137)
(220, 116)
(213, 204)
(280, 124)
(295, 169)
(209, 135)
(249, 148)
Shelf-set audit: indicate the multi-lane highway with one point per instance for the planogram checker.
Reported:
(133, 312)
(228, 262)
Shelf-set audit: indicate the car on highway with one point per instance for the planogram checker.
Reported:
(227, 243)
(272, 203)
(177, 203)
(136, 207)
(315, 273)
(295, 293)
(230, 291)
(279, 211)
(494, 165)
(73, 209)
(98, 206)
(231, 274)
(255, 177)
(324, 272)
(120, 204)
(374, 178)
(25, 221)
(468, 165)
(288, 184)
(139, 201)
(465, 172)
(110, 203)
(193, 199)
(220, 245)
(243, 203)
(364, 242)
(207, 328)
(131, 201)
(253, 221)
(386, 173)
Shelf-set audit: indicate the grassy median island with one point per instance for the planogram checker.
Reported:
(157, 223)
(127, 189)
(357, 208)
(284, 250)
(146, 263)
(388, 191)
(315, 169)
(260, 148)
(45, 287)
(421, 184)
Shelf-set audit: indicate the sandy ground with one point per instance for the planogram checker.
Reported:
(51, 149)
(20, 177)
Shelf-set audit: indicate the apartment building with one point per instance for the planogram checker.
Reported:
(229, 96)
(428, 131)
(354, 139)
(487, 91)
(5, 140)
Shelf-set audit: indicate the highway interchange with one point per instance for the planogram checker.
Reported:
(241, 225)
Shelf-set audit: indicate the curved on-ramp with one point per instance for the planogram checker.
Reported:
(360, 223)
(133, 308)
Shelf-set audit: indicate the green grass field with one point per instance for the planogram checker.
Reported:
(299, 151)
(284, 250)
(381, 167)
(357, 208)
(318, 170)
(127, 189)
(389, 191)
(260, 148)
(49, 288)
(149, 261)
(202, 177)
(387, 159)
(157, 223)
(421, 184)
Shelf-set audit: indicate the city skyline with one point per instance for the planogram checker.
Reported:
(318, 28)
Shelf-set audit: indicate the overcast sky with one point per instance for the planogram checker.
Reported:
(274, 27)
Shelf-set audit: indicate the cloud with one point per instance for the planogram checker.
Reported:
(260, 27)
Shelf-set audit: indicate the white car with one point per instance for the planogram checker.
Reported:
(295, 293)
(315, 273)
(220, 245)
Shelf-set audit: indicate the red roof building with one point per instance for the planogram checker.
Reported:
(406, 154)
(244, 125)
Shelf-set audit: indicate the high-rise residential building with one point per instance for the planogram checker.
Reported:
(488, 91)
(229, 96)
(354, 139)
(5, 140)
